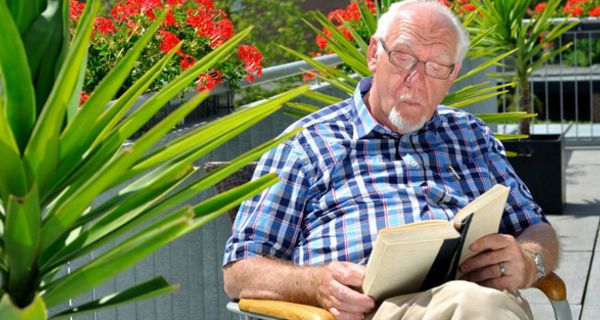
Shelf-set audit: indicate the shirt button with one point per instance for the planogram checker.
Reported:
(414, 164)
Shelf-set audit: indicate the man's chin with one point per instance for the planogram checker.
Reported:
(404, 126)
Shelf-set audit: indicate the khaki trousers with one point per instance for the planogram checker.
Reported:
(455, 300)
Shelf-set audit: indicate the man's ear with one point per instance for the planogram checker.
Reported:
(372, 54)
(455, 72)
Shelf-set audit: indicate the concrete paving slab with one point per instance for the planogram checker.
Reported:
(583, 155)
(590, 313)
(592, 293)
(573, 269)
(575, 233)
(583, 185)
(544, 311)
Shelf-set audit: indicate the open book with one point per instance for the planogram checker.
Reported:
(422, 255)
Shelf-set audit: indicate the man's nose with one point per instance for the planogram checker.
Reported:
(415, 74)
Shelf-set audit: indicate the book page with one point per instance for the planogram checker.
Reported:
(487, 211)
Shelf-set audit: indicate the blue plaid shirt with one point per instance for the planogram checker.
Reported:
(345, 176)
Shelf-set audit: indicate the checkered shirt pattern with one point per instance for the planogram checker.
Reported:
(345, 176)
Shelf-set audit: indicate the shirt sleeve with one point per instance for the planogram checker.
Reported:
(269, 224)
(520, 211)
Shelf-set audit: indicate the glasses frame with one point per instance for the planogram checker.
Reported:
(416, 61)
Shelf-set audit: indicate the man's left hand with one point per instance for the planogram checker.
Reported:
(502, 263)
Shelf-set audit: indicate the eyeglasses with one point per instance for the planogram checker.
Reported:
(405, 61)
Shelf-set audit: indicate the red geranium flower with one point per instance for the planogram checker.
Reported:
(321, 42)
(222, 31)
(577, 11)
(595, 12)
(252, 59)
(75, 9)
(169, 41)
(352, 12)
(338, 15)
(209, 80)
(468, 7)
(104, 25)
(176, 2)
(83, 98)
(207, 3)
(445, 2)
(186, 61)
(540, 6)
(170, 20)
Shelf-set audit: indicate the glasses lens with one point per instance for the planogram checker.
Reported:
(402, 60)
(437, 70)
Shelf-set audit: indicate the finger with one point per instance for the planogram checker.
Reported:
(484, 259)
(503, 283)
(345, 315)
(483, 274)
(351, 300)
(491, 242)
(349, 274)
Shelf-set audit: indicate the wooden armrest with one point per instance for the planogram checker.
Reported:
(284, 310)
(553, 287)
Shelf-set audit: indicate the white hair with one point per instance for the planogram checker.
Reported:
(385, 22)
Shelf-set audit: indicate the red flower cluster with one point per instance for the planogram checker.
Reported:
(540, 7)
(595, 12)
(75, 10)
(208, 24)
(461, 7)
(83, 98)
(574, 8)
(209, 80)
(169, 41)
(198, 22)
(104, 25)
(351, 15)
(252, 59)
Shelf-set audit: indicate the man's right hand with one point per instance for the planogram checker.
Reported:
(338, 290)
(334, 287)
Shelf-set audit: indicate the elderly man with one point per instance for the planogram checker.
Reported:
(385, 157)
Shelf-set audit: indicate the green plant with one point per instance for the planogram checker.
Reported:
(280, 22)
(531, 40)
(58, 158)
(199, 24)
(584, 53)
(342, 38)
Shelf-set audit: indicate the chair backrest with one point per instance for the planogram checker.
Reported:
(234, 180)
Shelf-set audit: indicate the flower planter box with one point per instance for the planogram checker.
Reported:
(541, 165)
(220, 102)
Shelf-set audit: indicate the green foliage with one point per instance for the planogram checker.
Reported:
(275, 22)
(583, 54)
(532, 40)
(57, 159)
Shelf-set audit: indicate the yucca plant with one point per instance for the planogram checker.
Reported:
(352, 53)
(532, 40)
(57, 158)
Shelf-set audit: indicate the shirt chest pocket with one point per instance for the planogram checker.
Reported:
(467, 177)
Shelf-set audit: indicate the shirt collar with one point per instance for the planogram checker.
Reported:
(364, 123)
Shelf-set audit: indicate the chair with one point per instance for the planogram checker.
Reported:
(552, 285)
